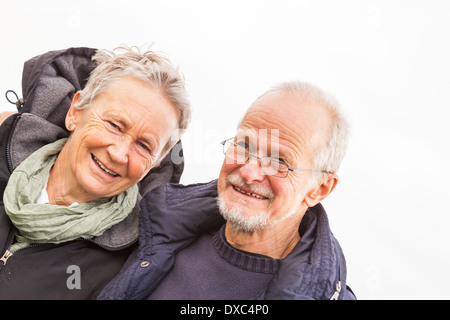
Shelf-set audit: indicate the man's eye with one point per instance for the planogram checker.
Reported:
(242, 144)
(278, 162)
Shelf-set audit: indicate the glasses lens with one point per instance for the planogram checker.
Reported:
(273, 167)
(283, 170)
(235, 152)
(238, 153)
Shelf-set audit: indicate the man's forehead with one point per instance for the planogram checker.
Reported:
(257, 133)
(287, 117)
(288, 105)
(274, 114)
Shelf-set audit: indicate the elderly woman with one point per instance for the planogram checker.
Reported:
(72, 205)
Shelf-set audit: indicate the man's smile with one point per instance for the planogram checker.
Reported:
(248, 193)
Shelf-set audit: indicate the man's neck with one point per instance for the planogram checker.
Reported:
(275, 241)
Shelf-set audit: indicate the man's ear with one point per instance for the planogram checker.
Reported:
(71, 116)
(320, 192)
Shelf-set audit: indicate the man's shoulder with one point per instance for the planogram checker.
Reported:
(179, 211)
(172, 194)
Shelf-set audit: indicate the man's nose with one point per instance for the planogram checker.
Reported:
(251, 171)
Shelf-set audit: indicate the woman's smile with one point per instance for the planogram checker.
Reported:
(100, 165)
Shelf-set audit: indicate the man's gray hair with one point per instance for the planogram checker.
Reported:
(329, 156)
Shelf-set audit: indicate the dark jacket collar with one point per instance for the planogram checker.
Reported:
(315, 266)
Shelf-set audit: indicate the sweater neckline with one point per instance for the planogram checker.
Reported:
(241, 259)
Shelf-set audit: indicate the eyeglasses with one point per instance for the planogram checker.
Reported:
(275, 167)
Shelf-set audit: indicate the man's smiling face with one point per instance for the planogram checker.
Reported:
(247, 194)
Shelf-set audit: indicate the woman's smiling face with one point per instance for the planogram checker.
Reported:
(118, 138)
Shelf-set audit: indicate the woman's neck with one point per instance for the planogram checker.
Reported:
(60, 187)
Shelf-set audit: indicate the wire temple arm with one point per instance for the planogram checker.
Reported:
(313, 171)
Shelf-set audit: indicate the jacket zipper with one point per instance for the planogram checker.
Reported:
(8, 253)
(6, 256)
(8, 142)
(337, 292)
(335, 295)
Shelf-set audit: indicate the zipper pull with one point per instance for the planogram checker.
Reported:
(335, 296)
(6, 256)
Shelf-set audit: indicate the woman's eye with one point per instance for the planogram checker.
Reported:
(143, 146)
(115, 126)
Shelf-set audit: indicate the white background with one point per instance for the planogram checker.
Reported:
(387, 62)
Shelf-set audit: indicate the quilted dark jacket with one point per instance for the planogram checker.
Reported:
(50, 271)
(173, 215)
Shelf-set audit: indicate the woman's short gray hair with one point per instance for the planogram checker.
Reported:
(329, 156)
(148, 66)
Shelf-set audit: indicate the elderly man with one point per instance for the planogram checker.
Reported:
(275, 242)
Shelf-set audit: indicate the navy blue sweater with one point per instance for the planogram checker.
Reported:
(172, 216)
(226, 273)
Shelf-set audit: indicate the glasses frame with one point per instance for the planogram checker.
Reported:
(251, 155)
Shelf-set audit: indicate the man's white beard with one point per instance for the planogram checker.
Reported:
(239, 221)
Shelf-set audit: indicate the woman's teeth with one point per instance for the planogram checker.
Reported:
(249, 194)
(109, 172)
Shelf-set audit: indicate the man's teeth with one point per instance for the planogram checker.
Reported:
(249, 194)
(111, 173)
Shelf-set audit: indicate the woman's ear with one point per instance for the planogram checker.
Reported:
(322, 191)
(71, 116)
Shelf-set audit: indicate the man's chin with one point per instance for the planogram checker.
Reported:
(239, 221)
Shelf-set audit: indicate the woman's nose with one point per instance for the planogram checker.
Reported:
(119, 150)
